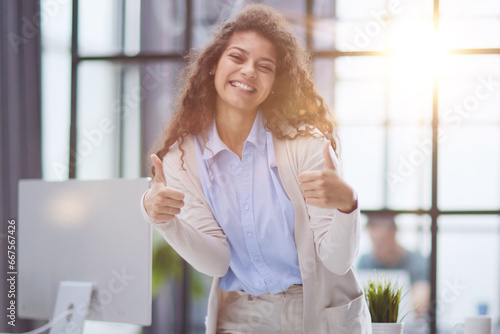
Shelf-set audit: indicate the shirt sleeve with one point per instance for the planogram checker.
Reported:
(417, 266)
(336, 234)
(193, 233)
(365, 262)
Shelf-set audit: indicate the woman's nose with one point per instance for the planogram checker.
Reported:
(249, 70)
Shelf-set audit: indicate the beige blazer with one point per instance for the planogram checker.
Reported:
(327, 240)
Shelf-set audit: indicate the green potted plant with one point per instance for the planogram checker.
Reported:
(167, 265)
(383, 297)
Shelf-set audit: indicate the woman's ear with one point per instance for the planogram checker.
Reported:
(212, 70)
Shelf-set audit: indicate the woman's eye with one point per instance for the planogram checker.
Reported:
(235, 57)
(266, 68)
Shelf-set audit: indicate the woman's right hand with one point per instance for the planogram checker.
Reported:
(161, 202)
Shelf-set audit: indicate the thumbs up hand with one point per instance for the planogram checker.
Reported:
(326, 189)
(161, 202)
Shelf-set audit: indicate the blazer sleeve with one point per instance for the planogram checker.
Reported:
(336, 234)
(193, 233)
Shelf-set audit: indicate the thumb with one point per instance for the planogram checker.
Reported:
(159, 173)
(326, 154)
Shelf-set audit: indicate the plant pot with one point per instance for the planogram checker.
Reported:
(387, 328)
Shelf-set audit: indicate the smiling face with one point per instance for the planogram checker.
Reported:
(384, 242)
(245, 73)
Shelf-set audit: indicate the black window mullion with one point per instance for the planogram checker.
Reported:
(185, 285)
(434, 212)
(122, 70)
(309, 24)
(74, 80)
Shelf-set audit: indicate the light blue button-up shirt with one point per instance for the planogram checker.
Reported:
(250, 204)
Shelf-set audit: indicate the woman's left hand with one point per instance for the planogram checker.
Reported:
(326, 189)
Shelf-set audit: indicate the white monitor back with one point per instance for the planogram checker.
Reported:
(90, 231)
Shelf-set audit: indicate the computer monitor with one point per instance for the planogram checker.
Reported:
(80, 232)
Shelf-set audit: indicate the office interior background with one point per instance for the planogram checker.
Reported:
(414, 85)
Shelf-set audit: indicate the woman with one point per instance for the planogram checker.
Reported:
(247, 188)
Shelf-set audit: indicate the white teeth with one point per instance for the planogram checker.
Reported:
(242, 86)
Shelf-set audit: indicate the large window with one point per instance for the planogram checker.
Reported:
(414, 86)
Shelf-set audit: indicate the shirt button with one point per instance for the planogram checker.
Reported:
(249, 234)
(246, 207)
(256, 259)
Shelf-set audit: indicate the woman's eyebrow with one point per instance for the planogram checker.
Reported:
(246, 53)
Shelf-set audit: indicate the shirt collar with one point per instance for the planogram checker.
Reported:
(257, 137)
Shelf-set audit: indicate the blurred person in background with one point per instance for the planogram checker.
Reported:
(388, 254)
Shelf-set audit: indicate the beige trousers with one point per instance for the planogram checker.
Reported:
(268, 313)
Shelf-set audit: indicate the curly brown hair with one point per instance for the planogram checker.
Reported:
(295, 101)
